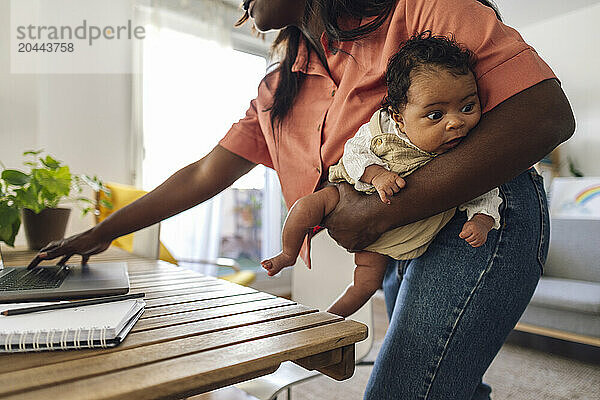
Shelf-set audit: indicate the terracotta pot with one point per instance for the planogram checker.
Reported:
(43, 228)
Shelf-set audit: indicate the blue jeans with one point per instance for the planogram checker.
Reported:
(452, 308)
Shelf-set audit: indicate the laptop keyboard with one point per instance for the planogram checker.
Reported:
(37, 278)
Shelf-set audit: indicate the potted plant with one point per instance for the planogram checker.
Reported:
(34, 196)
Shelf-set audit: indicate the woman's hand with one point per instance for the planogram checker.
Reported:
(354, 224)
(85, 244)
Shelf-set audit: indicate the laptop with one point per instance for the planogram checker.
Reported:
(18, 284)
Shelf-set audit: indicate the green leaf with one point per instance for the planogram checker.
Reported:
(33, 153)
(14, 177)
(28, 198)
(106, 204)
(50, 162)
(94, 183)
(56, 183)
(10, 221)
(87, 210)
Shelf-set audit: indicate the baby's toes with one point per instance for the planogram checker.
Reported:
(267, 264)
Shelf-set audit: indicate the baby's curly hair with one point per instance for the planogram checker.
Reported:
(421, 52)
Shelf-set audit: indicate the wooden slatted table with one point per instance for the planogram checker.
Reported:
(197, 334)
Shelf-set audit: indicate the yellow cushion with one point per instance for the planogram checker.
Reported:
(165, 255)
(120, 196)
(243, 278)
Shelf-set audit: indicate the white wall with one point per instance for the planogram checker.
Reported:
(18, 100)
(569, 43)
(519, 13)
(83, 120)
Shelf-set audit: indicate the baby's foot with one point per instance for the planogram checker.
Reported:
(277, 263)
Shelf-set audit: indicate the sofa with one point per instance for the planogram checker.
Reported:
(566, 302)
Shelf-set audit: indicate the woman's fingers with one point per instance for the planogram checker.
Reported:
(51, 250)
(35, 262)
(84, 244)
(52, 246)
(64, 260)
(58, 251)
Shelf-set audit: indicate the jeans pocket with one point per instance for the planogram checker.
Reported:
(544, 241)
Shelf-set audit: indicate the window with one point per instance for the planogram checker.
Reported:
(193, 90)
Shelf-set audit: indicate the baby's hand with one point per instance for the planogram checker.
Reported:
(476, 229)
(387, 183)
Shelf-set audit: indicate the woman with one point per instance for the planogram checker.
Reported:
(452, 310)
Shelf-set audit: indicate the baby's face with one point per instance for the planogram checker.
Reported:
(442, 108)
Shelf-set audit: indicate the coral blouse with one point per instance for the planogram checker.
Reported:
(330, 107)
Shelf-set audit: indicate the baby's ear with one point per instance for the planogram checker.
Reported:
(397, 117)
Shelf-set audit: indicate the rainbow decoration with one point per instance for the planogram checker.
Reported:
(587, 194)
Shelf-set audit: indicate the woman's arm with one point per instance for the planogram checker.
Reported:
(509, 139)
(186, 188)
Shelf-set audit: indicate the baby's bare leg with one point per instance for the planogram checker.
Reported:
(306, 213)
(368, 276)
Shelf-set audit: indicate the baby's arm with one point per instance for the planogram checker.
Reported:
(358, 158)
(367, 169)
(483, 215)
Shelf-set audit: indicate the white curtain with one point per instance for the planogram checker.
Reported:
(187, 106)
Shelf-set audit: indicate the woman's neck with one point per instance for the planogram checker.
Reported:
(312, 29)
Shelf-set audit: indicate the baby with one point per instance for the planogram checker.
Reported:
(430, 107)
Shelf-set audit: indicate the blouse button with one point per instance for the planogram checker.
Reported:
(378, 142)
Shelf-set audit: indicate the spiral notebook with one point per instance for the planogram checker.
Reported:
(99, 325)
